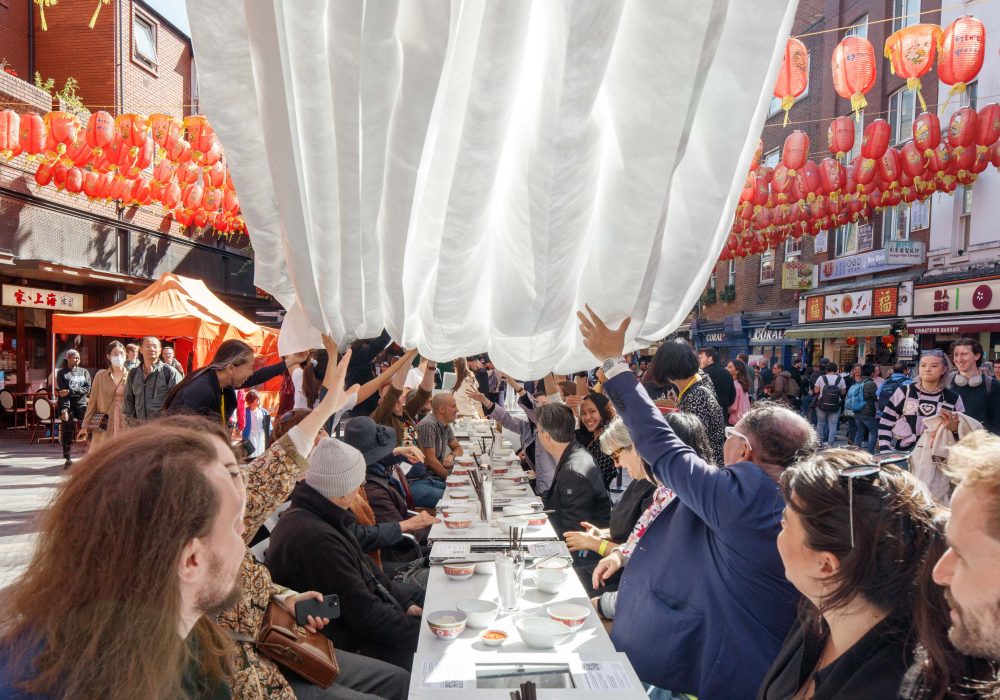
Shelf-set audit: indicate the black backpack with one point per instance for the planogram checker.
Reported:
(829, 396)
(888, 388)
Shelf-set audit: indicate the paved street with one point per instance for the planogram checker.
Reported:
(29, 475)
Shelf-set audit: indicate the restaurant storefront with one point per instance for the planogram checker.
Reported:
(854, 325)
(756, 335)
(967, 307)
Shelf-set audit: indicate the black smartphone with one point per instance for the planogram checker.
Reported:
(329, 608)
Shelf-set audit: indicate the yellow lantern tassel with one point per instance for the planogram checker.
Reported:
(914, 84)
(93, 20)
(786, 104)
(955, 89)
(858, 103)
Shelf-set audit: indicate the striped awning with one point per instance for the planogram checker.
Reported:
(838, 330)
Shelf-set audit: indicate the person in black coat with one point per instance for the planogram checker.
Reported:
(577, 494)
(313, 547)
(853, 637)
(211, 390)
(722, 381)
(73, 388)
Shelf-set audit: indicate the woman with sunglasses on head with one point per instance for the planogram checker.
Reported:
(904, 416)
(854, 537)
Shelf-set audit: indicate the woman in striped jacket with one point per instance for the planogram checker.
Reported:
(911, 405)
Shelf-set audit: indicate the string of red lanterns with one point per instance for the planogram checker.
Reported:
(109, 158)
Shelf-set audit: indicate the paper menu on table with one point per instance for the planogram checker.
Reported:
(451, 673)
(545, 549)
(602, 675)
(448, 550)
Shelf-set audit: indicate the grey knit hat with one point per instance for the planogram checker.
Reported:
(335, 468)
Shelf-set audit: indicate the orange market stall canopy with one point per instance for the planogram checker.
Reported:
(179, 307)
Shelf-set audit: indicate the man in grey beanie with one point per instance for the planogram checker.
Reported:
(313, 548)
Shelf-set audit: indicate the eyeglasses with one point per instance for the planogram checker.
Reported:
(730, 431)
(614, 455)
(864, 471)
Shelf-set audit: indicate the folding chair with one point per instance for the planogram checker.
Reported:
(44, 411)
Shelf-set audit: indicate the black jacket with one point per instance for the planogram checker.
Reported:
(361, 371)
(313, 548)
(77, 382)
(725, 390)
(201, 393)
(577, 493)
(389, 507)
(870, 670)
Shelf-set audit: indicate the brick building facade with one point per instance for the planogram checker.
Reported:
(133, 60)
(752, 313)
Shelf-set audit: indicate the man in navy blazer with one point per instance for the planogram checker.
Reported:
(703, 606)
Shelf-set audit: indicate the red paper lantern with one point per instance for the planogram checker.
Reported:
(187, 173)
(807, 181)
(793, 78)
(852, 341)
(200, 134)
(781, 183)
(192, 197)
(832, 175)
(754, 164)
(179, 151)
(840, 136)
(140, 193)
(171, 196)
(10, 142)
(104, 183)
(854, 70)
(987, 126)
(90, 182)
(43, 174)
(215, 175)
(888, 339)
(31, 134)
(888, 166)
(795, 151)
(164, 171)
(61, 129)
(165, 129)
(74, 180)
(78, 153)
(962, 129)
(911, 52)
(100, 131)
(876, 139)
(913, 160)
(963, 45)
(927, 132)
(995, 155)
(183, 217)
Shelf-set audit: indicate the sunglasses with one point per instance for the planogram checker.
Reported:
(868, 472)
(730, 431)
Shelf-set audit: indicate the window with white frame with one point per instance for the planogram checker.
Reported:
(963, 234)
(859, 28)
(896, 223)
(905, 13)
(767, 266)
(711, 281)
(970, 98)
(902, 107)
(846, 240)
(793, 248)
(144, 39)
(732, 273)
(859, 131)
(772, 158)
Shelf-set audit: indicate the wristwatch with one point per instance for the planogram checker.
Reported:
(609, 363)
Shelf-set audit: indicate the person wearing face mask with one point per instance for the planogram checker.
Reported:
(979, 393)
(107, 396)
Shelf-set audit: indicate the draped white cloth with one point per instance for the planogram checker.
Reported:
(469, 173)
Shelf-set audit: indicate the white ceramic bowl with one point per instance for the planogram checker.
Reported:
(447, 624)
(456, 481)
(549, 580)
(570, 614)
(537, 520)
(459, 521)
(493, 638)
(486, 568)
(458, 512)
(518, 510)
(512, 522)
(541, 632)
(460, 494)
(480, 613)
(459, 572)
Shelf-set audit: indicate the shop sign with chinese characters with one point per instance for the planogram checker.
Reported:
(29, 297)
(881, 302)
(963, 297)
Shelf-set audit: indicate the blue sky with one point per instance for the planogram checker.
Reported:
(175, 11)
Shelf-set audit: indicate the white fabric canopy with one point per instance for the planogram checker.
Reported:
(467, 174)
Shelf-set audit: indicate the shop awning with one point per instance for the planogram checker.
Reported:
(839, 330)
(955, 324)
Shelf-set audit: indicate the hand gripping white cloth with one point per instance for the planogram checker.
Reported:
(467, 174)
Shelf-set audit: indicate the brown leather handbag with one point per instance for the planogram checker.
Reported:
(281, 639)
